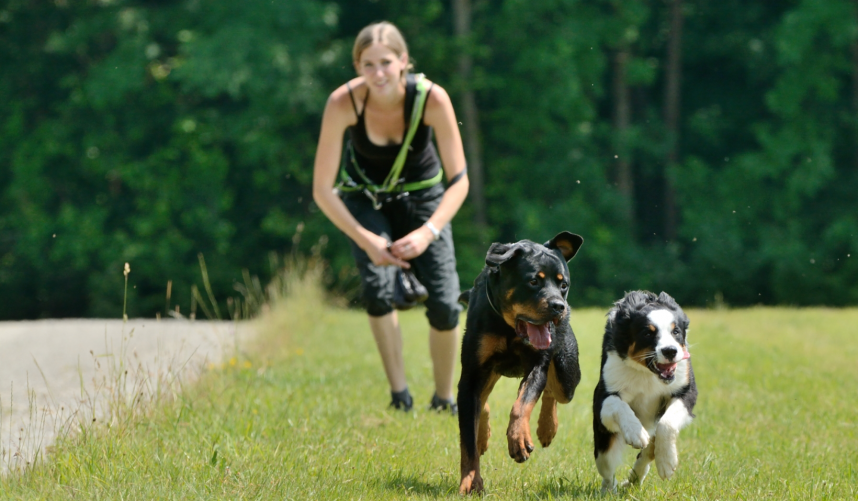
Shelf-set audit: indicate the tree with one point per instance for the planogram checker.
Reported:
(672, 90)
(470, 113)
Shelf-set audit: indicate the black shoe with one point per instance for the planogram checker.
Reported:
(401, 400)
(442, 405)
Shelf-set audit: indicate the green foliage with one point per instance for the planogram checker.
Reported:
(160, 135)
(152, 132)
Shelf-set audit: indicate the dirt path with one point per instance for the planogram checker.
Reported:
(51, 369)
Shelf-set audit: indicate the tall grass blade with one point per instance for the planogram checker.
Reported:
(198, 300)
(208, 285)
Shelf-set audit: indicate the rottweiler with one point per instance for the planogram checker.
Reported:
(517, 326)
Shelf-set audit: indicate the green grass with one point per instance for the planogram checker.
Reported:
(302, 415)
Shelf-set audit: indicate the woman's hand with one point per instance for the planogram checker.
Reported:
(377, 248)
(413, 244)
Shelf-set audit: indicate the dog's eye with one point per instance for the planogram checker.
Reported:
(564, 286)
(534, 282)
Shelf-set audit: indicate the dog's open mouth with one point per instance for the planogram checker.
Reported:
(666, 371)
(539, 335)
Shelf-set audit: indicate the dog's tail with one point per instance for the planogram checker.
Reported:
(465, 296)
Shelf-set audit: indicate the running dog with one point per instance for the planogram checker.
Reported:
(646, 390)
(517, 326)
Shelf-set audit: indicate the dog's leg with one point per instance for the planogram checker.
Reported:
(518, 433)
(618, 417)
(472, 387)
(557, 390)
(546, 429)
(674, 419)
(641, 467)
(564, 373)
(485, 431)
(607, 462)
(553, 393)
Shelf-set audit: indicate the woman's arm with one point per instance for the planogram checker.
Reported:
(439, 114)
(337, 117)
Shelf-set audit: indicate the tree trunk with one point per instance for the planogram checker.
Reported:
(855, 92)
(671, 115)
(470, 114)
(622, 121)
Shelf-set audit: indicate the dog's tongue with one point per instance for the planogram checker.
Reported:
(539, 335)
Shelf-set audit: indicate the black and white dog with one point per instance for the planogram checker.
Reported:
(646, 390)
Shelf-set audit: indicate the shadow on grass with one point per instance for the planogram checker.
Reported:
(414, 484)
(554, 488)
(562, 487)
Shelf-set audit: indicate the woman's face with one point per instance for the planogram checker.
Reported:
(381, 68)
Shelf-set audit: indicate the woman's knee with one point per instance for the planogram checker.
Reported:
(443, 317)
(377, 306)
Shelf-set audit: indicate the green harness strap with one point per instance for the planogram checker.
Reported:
(392, 183)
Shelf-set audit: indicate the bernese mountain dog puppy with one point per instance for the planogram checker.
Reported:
(646, 389)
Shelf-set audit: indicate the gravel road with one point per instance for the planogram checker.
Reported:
(52, 369)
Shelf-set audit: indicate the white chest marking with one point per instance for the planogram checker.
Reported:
(637, 386)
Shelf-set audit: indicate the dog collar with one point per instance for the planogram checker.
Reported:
(489, 298)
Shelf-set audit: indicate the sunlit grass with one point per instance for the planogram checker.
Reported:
(302, 414)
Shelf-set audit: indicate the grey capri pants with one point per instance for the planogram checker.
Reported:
(435, 268)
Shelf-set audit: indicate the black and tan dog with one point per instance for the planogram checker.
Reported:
(517, 326)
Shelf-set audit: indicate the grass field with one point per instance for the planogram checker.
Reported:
(302, 415)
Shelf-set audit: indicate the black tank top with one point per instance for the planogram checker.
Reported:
(376, 161)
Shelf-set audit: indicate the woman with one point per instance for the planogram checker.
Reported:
(401, 226)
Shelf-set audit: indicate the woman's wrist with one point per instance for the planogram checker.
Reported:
(436, 233)
(366, 240)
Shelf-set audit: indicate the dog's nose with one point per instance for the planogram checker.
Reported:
(669, 352)
(558, 306)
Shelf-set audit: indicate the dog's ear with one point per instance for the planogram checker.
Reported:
(636, 300)
(465, 297)
(567, 243)
(665, 299)
(500, 253)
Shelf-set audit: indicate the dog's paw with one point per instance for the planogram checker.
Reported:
(519, 442)
(483, 443)
(484, 432)
(546, 432)
(609, 486)
(546, 429)
(637, 477)
(471, 484)
(666, 458)
(635, 435)
(641, 467)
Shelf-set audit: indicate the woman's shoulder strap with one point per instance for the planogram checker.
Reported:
(413, 84)
(352, 96)
(410, 94)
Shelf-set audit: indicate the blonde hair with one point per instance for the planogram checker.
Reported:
(384, 33)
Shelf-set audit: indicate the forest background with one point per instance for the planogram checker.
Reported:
(705, 148)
